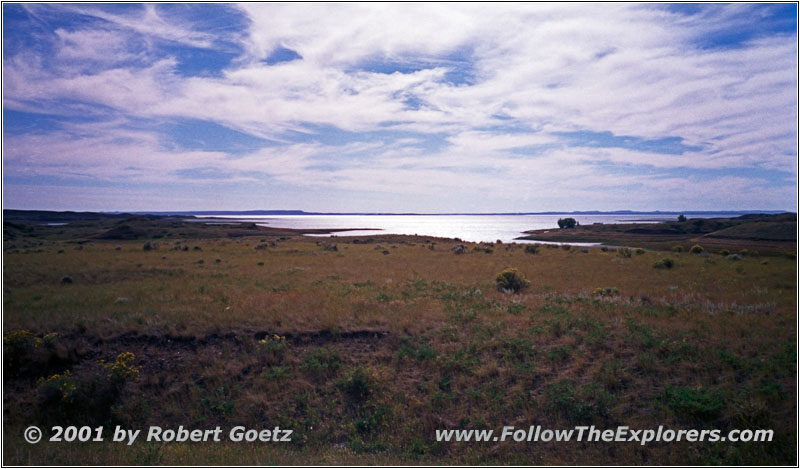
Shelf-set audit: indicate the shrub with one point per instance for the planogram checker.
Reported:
(65, 280)
(217, 402)
(694, 404)
(459, 249)
(509, 281)
(567, 223)
(677, 248)
(122, 370)
(56, 388)
(665, 263)
(696, 249)
(607, 291)
(624, 252)
(561, 400)
(91, 396)
(733, 257)
(421, 352)
(566, 247)
(273, 348)
(26, 354)
(17, 345)
(321, 361)
(639, 251)
(487, 248)
(724, 252)
(531, 249)
(681, 217)
(357, 387)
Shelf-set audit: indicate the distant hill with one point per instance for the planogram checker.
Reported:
(48, 216)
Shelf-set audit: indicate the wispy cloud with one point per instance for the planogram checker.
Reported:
(518, 107)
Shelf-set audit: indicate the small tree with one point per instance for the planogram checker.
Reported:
(567, 223)
(681, 217)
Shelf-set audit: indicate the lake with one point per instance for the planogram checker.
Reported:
(474, 228)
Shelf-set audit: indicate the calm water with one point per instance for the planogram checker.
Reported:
(474, 228)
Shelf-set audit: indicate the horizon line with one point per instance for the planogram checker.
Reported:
(303, 212)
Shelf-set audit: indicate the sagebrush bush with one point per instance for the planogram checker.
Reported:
(724, 252)
(59, 387)
(90, 395)
(624, 252)
(696, 249)
(122, 369)
(510, 281)
(677, 248)
(639, 251)
(665, 263)
(531, 249)
(272, 344)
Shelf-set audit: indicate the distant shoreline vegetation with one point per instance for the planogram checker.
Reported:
(584, 212)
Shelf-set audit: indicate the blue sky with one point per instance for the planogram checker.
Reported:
(400, 107)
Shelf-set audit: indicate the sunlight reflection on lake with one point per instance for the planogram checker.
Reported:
(474, 228)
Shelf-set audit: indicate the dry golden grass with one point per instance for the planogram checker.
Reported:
(439, 345)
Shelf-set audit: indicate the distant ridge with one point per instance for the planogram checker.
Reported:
(586, 212)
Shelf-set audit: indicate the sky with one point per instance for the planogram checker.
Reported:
(386, 107)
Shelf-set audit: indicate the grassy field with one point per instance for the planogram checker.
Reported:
(367, 346)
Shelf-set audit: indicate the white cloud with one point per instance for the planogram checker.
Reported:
(633, 70)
